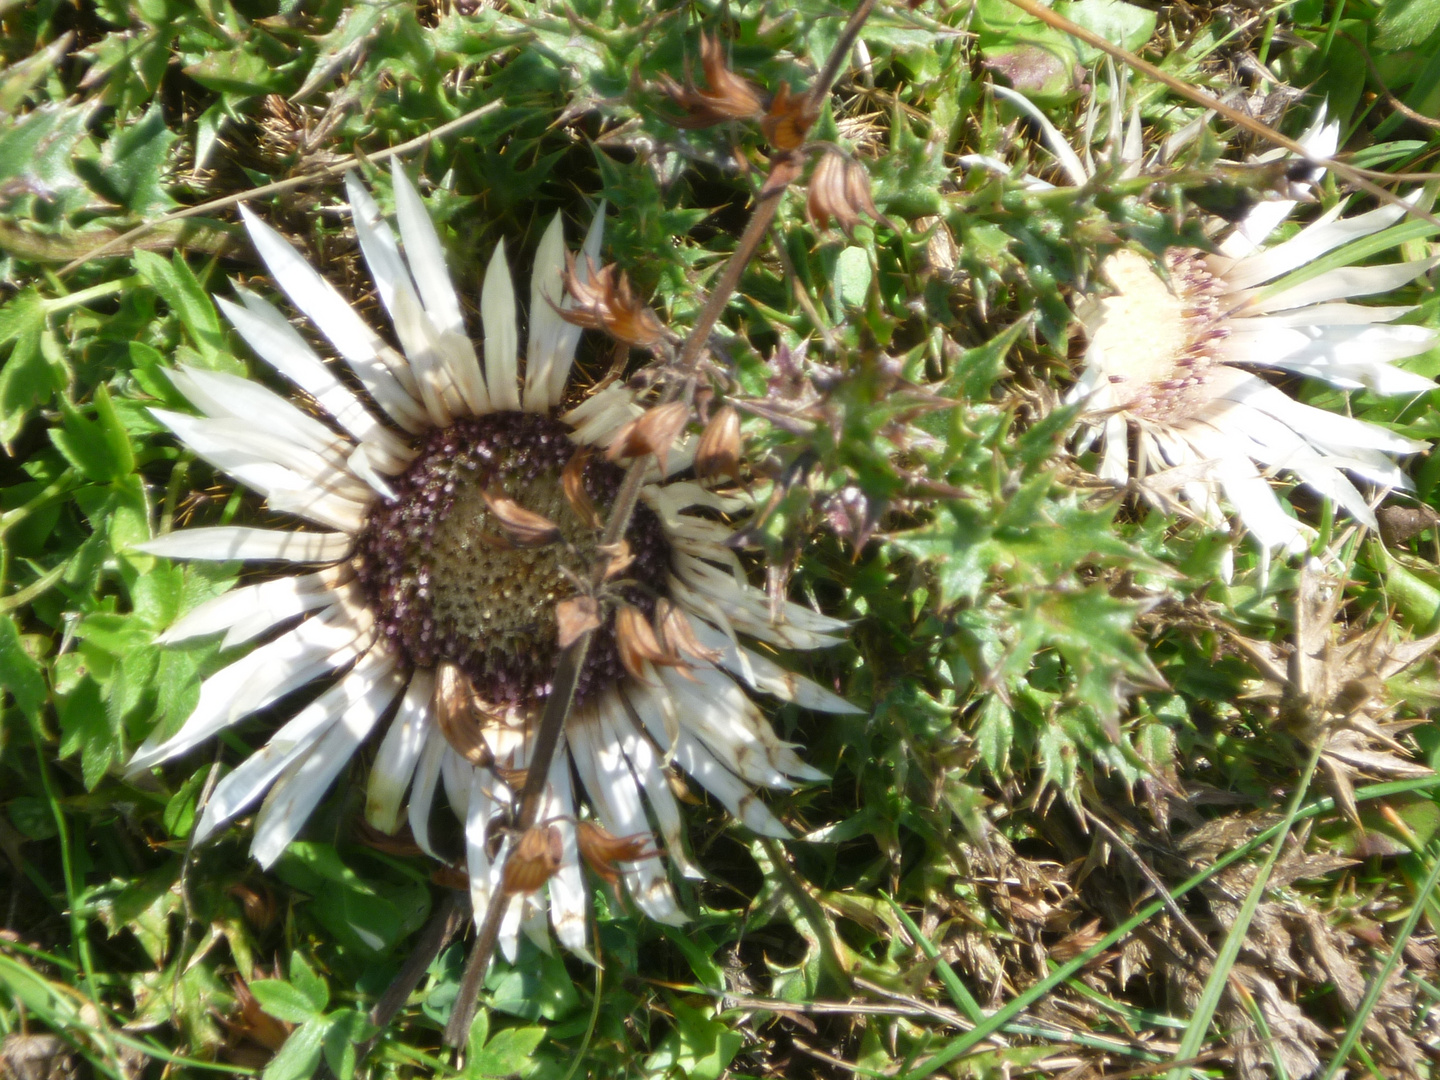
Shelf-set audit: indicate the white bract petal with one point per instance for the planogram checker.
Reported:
(368, 622)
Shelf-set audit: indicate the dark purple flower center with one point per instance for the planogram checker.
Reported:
(446, 584)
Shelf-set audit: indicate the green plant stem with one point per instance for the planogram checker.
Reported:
(96, 292)
(58, 487)
(79, 940)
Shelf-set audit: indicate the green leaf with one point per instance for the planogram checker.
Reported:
(86, 728)
(37, 149)
(852, 279)
(304, 979)
(1119, 23)
(539, 985)
(20, 675)
(132, 166)
(360, 913)
(179, 815)
(1404, 24)
(973, 374)
(699, 952)
(698, 1047)
(27, 378)
(348, 1028)
(238, 72)
(300, 1056)
(509, 1053)
(99, 448)
(284, 1002)
(182, 291)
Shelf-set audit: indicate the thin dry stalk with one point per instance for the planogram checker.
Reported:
(785, 168)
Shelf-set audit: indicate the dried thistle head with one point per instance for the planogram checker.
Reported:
(605, 301)
(536, 857)
(839, 188)
(726, 96)
(1331, 686)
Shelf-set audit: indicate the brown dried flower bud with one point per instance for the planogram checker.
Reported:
(534, 861)
(787, 122)
(727, 96)
(677, 635)
(602, 849)
(719, 451)
(575, 616)
(653, 432)
(457, 715)
(524, 528)
(839, 188)
(637, 643)
(605, 301)
(572, 482)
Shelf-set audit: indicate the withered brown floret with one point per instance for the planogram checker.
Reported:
(839, 188)
(719, 451)
(602, 849)
(787, 121)
(534, 861)
(605, 301)
(726, 96)
(652, 432)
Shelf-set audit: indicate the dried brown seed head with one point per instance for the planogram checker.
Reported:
(726, 96)
(534, 861)
(458, 716)
(653, 432)
(719, 451)
(605, 301)
(523, 528)
(787, 121)
(637, 642)
(574, 617)
(602, 849)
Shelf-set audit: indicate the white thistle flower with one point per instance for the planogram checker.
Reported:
(1175, 363)
(407, 576)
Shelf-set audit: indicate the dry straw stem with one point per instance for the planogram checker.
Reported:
(785, 169)
(1356, 176)
(335, 168)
